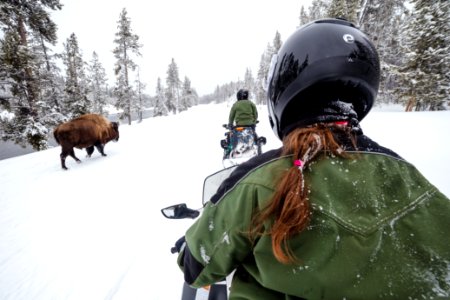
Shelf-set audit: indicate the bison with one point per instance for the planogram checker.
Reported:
(85, 131)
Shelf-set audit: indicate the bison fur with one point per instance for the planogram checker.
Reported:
(87, 131)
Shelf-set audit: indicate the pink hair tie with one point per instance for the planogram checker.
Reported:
(343, 123)
(298, 163)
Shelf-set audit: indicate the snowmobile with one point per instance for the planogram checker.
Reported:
(240, 144)
(219, 290)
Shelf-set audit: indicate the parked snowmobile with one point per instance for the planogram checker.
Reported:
(219, 290)
(240, 144)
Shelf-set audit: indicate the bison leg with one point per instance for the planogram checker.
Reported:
(90, 150)
(63, 156)
(100, 148)
(66, 152)
(72, 153)
(63, 160)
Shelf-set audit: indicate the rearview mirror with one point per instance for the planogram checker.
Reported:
(179, 211)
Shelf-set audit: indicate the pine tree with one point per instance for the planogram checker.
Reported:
(353, 8)
(377, 18)
(160, 108)
(127, 43)
(303, 18)
(173, 87)
(319, 9)
(19, 63)
(261, 79)
(97, 85)
(426, 74)
(264, 66)
(49, 80)
(277, 43)
(76, 100)
(249, 82)
(380, 20)
(189, 96)
(338, 9)
(347, 9)
(139, 103)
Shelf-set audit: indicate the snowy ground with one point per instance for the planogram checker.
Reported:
(96, 231)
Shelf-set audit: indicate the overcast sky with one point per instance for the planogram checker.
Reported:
(213, 42)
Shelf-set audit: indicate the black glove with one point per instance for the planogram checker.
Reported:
(179, 245)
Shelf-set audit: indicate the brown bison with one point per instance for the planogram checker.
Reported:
(85, 131)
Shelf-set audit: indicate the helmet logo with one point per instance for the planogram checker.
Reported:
(348, 38)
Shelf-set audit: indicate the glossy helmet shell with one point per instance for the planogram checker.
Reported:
(325, 60)
(242, 94)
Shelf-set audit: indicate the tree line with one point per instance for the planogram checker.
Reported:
(35, 95)
(411, 37)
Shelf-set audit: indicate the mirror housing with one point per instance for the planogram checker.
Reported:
(179, 211)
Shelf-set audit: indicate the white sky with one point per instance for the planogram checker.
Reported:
(213, 42)
(96, 231)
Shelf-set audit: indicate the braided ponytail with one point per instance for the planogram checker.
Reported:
(289, 206)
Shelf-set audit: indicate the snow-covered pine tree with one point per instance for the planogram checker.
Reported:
(160, 108)
(303, 18)
(188, 96)
(249, 82)
(319, 9)
(22, 91)
(338, 9)
(353, 7)
(127, 43)
(426, 74)
(173, 87)
(76, 100)
(264, 65)
(260, 94)
(97, 85)
(380, 20)
(277, 42)
(222, 93)
(138, 105)
(347, 9)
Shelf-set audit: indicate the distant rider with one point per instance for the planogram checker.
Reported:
(243, 112)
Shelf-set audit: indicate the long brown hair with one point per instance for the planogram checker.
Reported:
(289, 207)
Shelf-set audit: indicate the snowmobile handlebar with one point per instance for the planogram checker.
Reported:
(231, 126)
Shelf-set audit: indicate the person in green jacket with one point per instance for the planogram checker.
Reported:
(332, 214)
(243, 112)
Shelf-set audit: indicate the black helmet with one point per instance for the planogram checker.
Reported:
(242, 94)
(322, 62)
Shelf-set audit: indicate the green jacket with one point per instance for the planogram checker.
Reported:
(243, 113)
(379, 230)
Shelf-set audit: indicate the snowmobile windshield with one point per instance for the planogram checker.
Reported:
(213, 181)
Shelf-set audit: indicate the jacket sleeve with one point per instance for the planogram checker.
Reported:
(217, 242)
